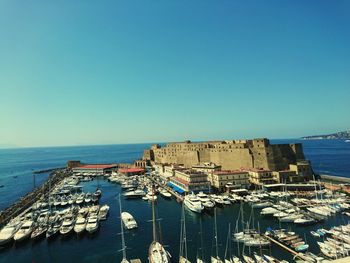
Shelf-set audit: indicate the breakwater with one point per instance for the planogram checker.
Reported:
(29, 199)
(47, 170)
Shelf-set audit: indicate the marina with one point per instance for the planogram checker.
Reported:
(75, 211)
(106, 241)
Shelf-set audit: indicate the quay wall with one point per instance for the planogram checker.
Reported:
(29, 199)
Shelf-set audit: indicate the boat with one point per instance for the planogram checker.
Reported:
(92, 224)
(156, 251)
(193, 203)
(128, 220)
(165, 193)
(248, 259)
(304, 221)
(24, 231)
(53, 230)
(8, 232)
(315, 234)
(67, 225)
(302, 248)
(102, 214)
(38, 232)
(87, 198)
(80, 225)
(138, 193)
(124, 260)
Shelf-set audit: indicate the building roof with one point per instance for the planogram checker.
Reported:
(131, 170)
(258, 170)
(224, 172)
(96, 166)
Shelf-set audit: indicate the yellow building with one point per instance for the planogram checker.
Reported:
(235, 178)
(261, 177)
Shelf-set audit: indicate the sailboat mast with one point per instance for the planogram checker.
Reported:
(122, 229)
(184, 234)
(216, 235)
(154, 217)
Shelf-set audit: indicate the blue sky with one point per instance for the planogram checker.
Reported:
(100, 72)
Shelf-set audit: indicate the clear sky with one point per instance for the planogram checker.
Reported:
(120, 71)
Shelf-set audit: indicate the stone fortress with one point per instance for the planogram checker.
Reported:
(230, 155)
(239, 163)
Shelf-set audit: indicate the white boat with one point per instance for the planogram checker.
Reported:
(290, 218)
(304, 221)
(128, 220)
(124, 259)
(7, 233)
(269, 211)
(92, 224)
(193, 203)
(102, 214)
(261, 204)
(38, 232)
(24, 232)
(165, 193)
(157, 253)
(80, 225)
(248, 259)
(315, 234)
(67, 225)
(138, 193)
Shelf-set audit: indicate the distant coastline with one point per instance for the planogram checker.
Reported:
(344, 135)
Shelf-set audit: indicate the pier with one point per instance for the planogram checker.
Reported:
(178, 197)
(293, 252)
(29, 199)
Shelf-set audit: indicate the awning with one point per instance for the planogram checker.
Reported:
(176, 188)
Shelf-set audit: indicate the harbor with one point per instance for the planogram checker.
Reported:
(261, 210)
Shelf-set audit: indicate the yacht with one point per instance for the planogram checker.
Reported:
(165, 193)
(80, 225)
(25, 231)
(304, 221)
(38, 232)
(53, 229)
(206, 202)
(92, 224)
(67, 225)
(157, 253)
(138, 193)
(193, 203)
(7, 233)
(102, 214)
(128, 220)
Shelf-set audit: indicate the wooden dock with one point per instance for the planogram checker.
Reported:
(296, 254)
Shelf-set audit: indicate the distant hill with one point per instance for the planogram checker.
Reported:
(344, 135)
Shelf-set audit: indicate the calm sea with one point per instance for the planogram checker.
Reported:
(16, 166)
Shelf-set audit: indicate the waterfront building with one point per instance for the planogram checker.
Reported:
(189, 181)
(260, 177)
(95, 168)
(208, 168)
(287, 176)
(235, 178)
(131, 171)
(229, 154)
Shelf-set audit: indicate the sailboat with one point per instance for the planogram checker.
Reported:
(124, 260)
(183, 240)
(156, 251)
(216, 258)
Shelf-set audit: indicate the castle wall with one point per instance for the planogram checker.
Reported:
(231, 155)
